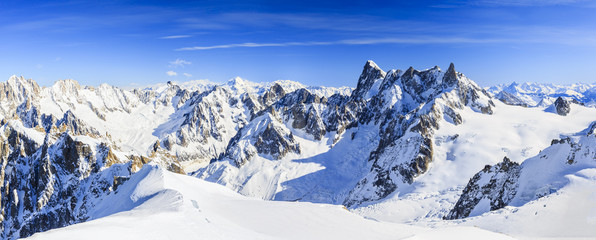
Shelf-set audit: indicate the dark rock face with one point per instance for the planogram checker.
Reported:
(423, 85)
(269, 141)
(203, 117)
(405, 149)
(300, 96)
(75, 154)
(510, 99)
(251, 103)
(562, 106)
(275, 143)
(495, 184)
(76, 126)
(508, 183)
(453, 116)
(592, 129)
(275, 93)
(54, 183)
(308, 119)
(49, 185)
(370, 73)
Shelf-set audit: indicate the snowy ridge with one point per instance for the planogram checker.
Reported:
(400, 147)
(395, 112)
(542, 95)
(186, 207)
(420, 135)
(536, 177)
(70, 139)
(548, 195)
(241, 85)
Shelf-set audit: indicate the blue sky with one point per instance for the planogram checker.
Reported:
(136, 43)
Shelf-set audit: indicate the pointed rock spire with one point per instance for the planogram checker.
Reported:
(450, 77)
(409, 72)
(370, 73)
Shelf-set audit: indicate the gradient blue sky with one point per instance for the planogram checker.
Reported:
(136, 43)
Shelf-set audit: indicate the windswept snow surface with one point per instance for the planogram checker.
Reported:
(326, 172)
(157, 204)
(568, 213)
(518, 133)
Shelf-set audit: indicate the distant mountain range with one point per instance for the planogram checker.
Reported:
(414, 146)
(537, 94)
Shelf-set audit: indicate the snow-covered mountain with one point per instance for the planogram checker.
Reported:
(158, 204)
(391, 116)
(510, 183)
(542, 95)
(400, 147)
(67, 145)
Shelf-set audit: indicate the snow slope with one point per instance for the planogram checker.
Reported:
(331, 167)
(568, 213)
(549, 195)
(399, 149)
(157, 204)
(463, 150)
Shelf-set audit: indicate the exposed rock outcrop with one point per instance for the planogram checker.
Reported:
(408, 108)
(562, 106)
(509, 183)
(495, 186)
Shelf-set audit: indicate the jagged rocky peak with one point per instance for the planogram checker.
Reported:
(274, 141)
(66, 86)
(18, 89)
(408, 108)
(450, 76)
(562, 106)
(55, 184)
(369, 75)
(427, 84)
(264, 136)
(54, 179)
(75, 157)
(75, 125)
(420, 86)
(492, 188)
(509, 183)
(300, 96)
(272, 95)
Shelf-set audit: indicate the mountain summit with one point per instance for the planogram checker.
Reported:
(401, 146)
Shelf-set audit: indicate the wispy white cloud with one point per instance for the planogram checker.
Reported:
(179, 63)
(524, 3)
(171, 73)
(187, 74)
(513, 3)
(175, 36)
(369, 41)
(237, 45)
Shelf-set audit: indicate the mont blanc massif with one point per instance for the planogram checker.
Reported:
(414, 154)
